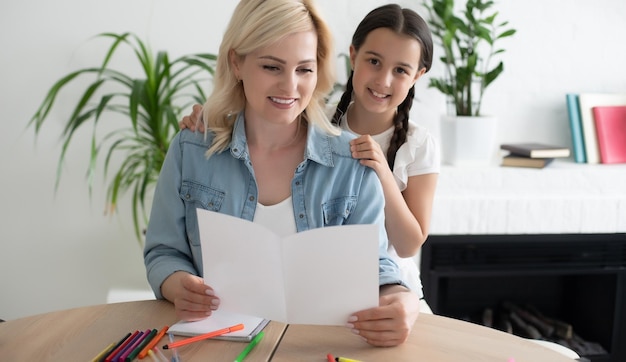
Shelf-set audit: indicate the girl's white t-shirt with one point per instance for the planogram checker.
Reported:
(419, 155)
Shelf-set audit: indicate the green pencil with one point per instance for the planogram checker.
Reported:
(249, 347)
(141, 345)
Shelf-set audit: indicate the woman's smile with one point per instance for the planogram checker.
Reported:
(283, 101)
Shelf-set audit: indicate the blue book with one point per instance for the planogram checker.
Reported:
(578, 142)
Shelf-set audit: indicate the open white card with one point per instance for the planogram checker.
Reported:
(320, 276)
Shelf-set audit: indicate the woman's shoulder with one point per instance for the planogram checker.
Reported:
(190, 138)
(332, 152)
(341, 143)
(322, 143)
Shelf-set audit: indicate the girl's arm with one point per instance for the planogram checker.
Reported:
(408, 213)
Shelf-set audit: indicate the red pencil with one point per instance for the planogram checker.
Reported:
(110, 351)
(119, 348)
(204, 336)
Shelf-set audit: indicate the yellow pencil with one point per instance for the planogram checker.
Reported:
(151, 354)
(103, 353)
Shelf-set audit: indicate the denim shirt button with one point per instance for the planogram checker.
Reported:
(297, 183)
(301, 216)
(251, 198)
(187, 196)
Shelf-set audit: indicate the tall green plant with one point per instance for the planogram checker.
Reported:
(469, 46)
(153, 105)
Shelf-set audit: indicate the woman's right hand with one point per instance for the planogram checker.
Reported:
(194, 120)
(193, 300)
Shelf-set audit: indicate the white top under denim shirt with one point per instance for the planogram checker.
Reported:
(329, 188)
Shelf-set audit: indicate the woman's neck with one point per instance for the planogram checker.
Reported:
(275, 152)
(362, 121)
(275, 137)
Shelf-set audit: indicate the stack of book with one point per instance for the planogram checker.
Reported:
(598, 125)
(535, 155)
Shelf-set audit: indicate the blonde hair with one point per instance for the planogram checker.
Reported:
(256, 24)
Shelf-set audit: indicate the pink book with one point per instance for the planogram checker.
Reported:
(610, 122)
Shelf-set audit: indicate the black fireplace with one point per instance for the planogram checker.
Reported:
(576, 279)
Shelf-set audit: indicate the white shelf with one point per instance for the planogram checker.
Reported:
(564, 197)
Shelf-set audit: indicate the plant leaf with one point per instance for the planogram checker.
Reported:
(152, 104)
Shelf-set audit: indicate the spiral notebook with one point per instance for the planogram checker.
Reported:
(221, 319)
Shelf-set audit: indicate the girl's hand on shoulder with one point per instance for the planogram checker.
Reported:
(193, 300)
(193, 121)
(367, 150)
(390, 323)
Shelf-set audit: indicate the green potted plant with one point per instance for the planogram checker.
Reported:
(468, 37)
(153, 103)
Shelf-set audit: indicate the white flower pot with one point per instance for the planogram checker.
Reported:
(468, 140)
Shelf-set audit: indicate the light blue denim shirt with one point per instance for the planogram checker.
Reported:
(329, 188)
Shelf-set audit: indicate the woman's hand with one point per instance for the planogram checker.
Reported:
(391, 322)
(193, 300)
(194, 120)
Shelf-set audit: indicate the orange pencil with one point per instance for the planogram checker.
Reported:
(153, 342)
(204, 336)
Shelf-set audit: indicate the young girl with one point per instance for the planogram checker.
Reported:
(391, 49)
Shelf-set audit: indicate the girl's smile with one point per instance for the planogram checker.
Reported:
(378, 95)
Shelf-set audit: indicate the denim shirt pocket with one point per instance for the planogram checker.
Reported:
(337, 211)
(196, 195)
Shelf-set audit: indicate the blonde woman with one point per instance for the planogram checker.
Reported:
(269, 148)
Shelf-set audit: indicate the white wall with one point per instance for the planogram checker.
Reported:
(58, 250)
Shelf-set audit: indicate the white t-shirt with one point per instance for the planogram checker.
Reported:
(278, 218)
(419, 155)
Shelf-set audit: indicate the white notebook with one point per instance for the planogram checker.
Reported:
(219, 320)
(586, 102)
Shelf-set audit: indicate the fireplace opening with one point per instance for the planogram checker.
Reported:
(578, 280)
(539, 307)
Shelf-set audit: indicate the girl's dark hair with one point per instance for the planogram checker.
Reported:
(403, 22)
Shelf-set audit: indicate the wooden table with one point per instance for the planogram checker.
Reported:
(80, 334)
(434, 339)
